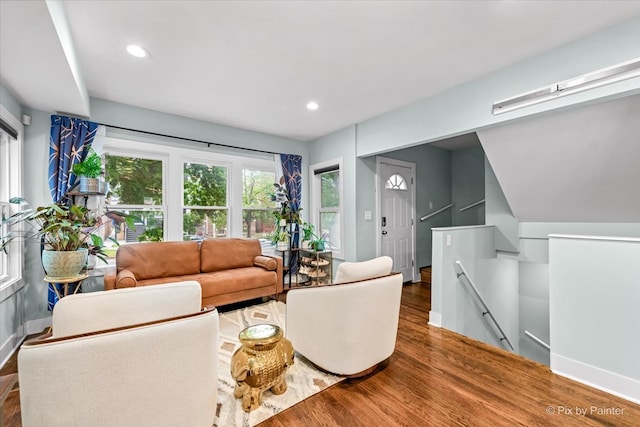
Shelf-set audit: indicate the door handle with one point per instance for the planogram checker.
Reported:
(384, 232)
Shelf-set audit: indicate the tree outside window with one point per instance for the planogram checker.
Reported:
(329, 214)
(205, 213)
(257, 206)
(136, 187)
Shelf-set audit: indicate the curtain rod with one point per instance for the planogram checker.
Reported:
(209, 144)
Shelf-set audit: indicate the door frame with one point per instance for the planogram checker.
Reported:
(412, 167)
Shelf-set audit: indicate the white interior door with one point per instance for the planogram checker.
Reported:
(396, 184)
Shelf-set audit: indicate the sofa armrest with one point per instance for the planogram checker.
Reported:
(268, 263)
(268, 260)
(110, 280)
(125, 279)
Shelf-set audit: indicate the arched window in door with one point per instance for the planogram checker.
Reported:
(396, 182)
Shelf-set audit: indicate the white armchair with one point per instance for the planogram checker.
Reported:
(347, 328)
(141, 357)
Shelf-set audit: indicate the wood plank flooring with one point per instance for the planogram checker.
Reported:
(439, 378)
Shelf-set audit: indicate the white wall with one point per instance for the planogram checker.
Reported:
(453, 304)
(594, 299)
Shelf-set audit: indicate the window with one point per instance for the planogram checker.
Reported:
(257, 206)
(136, 188)
(179, 192)
(205, 206)
(396, 182)
(326, 200)
(11, 260)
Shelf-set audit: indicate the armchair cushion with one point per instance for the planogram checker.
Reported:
(94, 311)
(347, 328)
(351, 271)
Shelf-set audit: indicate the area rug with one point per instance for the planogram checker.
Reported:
(303, 379)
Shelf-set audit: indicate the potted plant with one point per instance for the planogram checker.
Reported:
(67, 234)
(319, 243)
(89, 171)
(308, 234)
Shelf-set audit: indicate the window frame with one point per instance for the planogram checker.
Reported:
(315, 194)
(12, 185)
(175, 155)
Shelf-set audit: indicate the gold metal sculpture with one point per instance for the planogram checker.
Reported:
(260, 364)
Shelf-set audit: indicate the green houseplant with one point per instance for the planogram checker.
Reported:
(67, 234)
(89, 170)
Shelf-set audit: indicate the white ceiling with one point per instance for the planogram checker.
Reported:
(255, 64)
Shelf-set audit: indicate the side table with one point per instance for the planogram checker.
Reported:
(66, 283)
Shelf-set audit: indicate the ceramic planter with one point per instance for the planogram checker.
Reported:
(64, 263)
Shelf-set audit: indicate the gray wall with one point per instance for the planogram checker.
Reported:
(341, 144)
(467, 185)
(11, 306)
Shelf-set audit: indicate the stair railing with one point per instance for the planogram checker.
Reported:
(442, 209)
(479, 202)
(538, 340)
(460, 273)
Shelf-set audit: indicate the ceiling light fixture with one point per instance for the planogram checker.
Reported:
(312, 105)
(137, 51)
(605, 76)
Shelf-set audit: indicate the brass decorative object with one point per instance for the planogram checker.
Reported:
(260, 364)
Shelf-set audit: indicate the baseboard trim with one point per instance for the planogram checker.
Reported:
(435, 319)
(10, 346)
(610, 382)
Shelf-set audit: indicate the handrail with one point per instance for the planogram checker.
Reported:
(538, 340)
(436, 212)
(479, 202)
(460, 271)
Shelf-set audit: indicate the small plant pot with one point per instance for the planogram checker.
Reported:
(90, 185)
(282, 246)
(64, 263)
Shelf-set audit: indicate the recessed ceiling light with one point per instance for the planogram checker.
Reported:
(137, 51)
(312, 106)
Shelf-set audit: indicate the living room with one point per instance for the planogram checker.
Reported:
(445, 115)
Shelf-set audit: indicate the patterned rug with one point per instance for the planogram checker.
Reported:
(303, 379)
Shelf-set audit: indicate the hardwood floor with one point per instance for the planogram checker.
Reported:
(439, 378)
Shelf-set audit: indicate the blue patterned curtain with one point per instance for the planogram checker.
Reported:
(291, 170)
(69, 144)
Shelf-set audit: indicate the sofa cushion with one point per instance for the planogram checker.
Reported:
(224, 254)
(159, 259)
(239, 279)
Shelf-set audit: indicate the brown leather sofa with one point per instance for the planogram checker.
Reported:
(228, 270)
